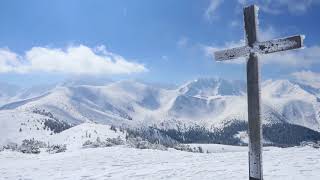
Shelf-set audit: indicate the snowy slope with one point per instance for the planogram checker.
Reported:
(295, 104)
(17, 125)
(77, 135)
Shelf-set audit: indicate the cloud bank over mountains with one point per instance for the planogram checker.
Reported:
(307, 77)
(78, 59)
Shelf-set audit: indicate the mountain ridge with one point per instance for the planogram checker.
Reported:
(207, 102)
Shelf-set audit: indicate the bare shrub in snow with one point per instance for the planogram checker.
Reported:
(183, 147)
(139, 143)
(31, 146)
(10, 146)
(200, 149)
(107, 143)
(143, 145)
(112, 127)
(92, 144)
(116, 141)
(57, 148)
(187, 148)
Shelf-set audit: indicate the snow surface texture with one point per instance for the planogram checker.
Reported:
(225, 162)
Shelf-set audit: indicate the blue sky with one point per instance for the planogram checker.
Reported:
(159, 41)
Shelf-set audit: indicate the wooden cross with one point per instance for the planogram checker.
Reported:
(251, 50)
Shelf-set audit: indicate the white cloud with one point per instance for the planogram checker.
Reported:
(210, 12)
(268, 34)
(182, 42)
(72, 60)
(165, 58)
(307, 77)
(279, 6)
(8, 60)
(234, 23)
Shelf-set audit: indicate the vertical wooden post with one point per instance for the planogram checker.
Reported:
(253, 91)
(255, 129)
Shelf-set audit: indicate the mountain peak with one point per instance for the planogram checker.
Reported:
(206, 87)
(281, 87)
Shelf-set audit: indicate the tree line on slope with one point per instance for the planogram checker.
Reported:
(278, 134)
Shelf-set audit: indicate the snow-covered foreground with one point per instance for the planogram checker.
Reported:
(128, 163)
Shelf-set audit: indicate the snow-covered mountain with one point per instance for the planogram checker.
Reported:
(206, 102)
(116, 103)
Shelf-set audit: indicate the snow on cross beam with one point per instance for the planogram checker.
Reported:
(266, 47)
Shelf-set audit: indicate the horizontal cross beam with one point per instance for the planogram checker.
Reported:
(266, 47)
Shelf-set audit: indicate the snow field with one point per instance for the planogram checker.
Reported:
(127, 163)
